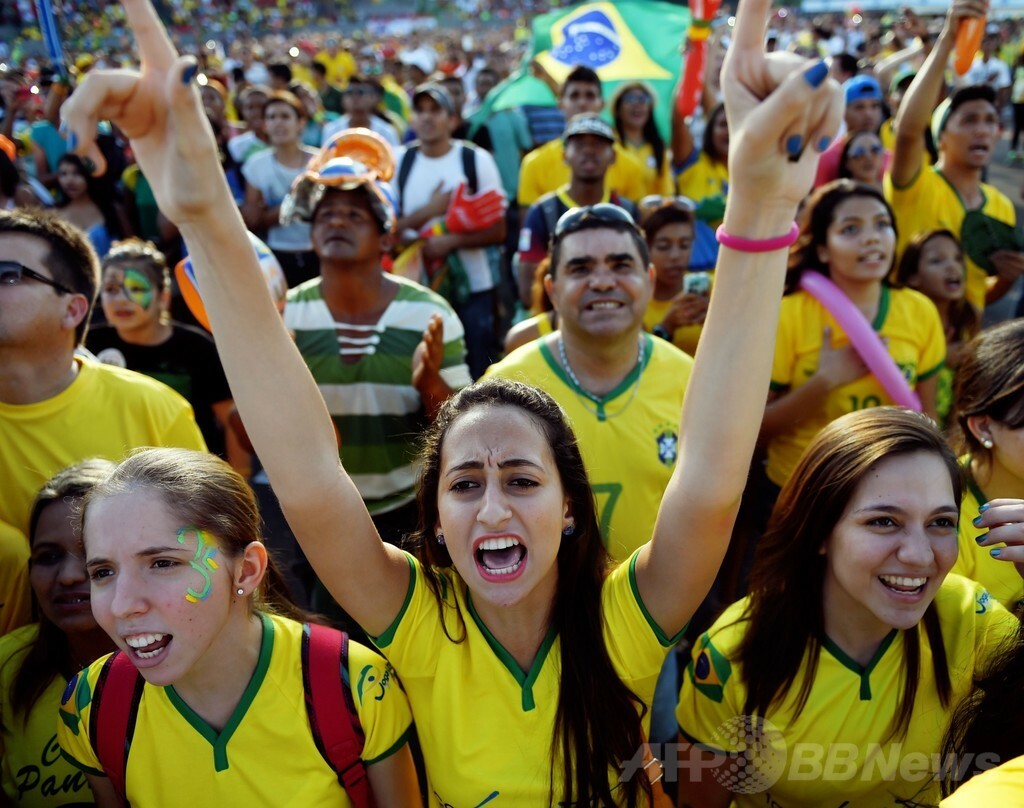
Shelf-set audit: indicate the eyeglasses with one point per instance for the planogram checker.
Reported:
(649, 204)
(636, 97)
(604, 212)
(11, 273)
(874, 150)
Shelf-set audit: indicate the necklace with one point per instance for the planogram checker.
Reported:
(598, 410)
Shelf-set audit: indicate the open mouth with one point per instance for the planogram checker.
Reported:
(147, 646)
(72, 600)
(604, 305)
(903, 585)
(500, 557)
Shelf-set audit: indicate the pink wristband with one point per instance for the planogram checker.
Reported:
(750, 245)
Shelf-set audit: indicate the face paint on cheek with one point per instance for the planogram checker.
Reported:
(202, 562)
(138, 288)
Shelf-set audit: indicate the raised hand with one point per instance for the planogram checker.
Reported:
(1004, 519)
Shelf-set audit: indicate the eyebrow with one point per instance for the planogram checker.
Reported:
(149, 551)
(950, 507)
(478, 464)
(581, 260)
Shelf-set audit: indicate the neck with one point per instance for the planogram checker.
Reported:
(864, 295)
(586, 192)
(353, 291)
(943, 306)
(634, 134)
(667, 292)
(436, 148)
(288, 153)
(521, 628)
(151, 333)
(995, 479)
(214, 685)
(600, 366)
(34, 378)
(965, 179)
(850, 626)
(88, 646)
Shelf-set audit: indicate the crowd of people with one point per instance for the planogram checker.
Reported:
(580, 462)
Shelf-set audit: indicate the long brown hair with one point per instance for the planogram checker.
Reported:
(597, 724)
(963, 319)
(202, 490)
(789, 569)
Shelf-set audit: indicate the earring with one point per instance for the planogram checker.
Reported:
(240, 591)
(987, 443)
(440, 538)
(569, 529)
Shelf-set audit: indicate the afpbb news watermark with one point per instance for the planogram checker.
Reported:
(762, 758)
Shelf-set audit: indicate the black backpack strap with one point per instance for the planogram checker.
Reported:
(405, 168)
(333, 720)
(552, 210)
(469, 166)
(115, 708)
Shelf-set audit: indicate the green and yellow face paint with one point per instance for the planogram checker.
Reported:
(202, 562)
(137, 287)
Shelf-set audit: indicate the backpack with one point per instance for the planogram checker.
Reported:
(328, 697)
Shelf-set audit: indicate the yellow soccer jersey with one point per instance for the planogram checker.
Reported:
(835, 753)
(265, 755)
(105, 412)
(656, 180)
(15, 593)
(702, 178)
(1000, 578)
(929, 203)
(484, 724)
(1001, 786)
(685, 338)
(544, 170)
(32, 771)
(629, 439)
(906, 319)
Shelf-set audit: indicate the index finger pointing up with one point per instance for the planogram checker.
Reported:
(154, 46)
(751, 25)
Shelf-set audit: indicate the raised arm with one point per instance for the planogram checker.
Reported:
(160, 111)
(771, 101)
(924, 94)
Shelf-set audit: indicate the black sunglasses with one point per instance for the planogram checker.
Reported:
(605, 212)
(11, 273)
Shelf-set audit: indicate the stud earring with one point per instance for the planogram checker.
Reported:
(440, 538)
(987, 443)
(569, 529)
(240, 591)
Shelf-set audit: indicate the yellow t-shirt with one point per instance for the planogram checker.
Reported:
(908, 321)
(929, 203)
(105, 412)
(656, 180)
(15, 593)
(998, 577)
(484, 724)
(1001, 786)
(544, 170)
(702, 178)
(684, 338)
(887, 134)
(340, 67)
(628, 439)
(835, 752)
(32, 772)
(265, 755)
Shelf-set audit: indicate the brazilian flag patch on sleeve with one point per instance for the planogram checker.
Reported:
(709, 671)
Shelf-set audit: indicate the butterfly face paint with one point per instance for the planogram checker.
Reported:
(202, 562)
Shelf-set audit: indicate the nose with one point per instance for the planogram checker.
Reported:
(915, 549)
(129, 597)
(71, 570)
(494, 508)
(602, 277)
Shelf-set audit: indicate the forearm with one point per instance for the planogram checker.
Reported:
(414, 220)
(495, 234)
(923, 94)
(794, 407)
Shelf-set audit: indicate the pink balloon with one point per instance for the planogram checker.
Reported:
(862, 336)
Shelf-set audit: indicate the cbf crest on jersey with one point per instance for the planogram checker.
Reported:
(666, 443)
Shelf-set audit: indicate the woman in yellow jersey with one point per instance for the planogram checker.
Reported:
(933, 264)
(181, 581)
(835, 677)
(36, 661)
(528, 662)
(861, 159)
(633, 113)
(847, 234)
(703, 174)
(676, 312)
(988, 404)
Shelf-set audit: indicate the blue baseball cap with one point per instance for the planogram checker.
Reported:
(862, 87)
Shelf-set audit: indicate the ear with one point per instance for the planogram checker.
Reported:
(251, 567)
(75, 311)
(549, 288)
(567, 517)
(822, 254)
(980, 427)
(388, 241)
(165, 301)
(652, 273)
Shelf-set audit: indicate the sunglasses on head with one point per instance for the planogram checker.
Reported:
(11, 273)
(654, 202)
(636, 97)
(604, 212)
(874, 150)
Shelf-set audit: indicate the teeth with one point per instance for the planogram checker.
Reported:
(142, 640)
(903, 582)
(499, 544)
(148, 654)
(506, 570)
(605, 304)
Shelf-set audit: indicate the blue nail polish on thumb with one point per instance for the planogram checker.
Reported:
(983, 508)
(994, 552)
(189, 73)
(824, 143)
(817, 74)
(72, 141)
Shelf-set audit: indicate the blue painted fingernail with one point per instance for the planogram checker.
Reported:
(794, 143)
(88, 165)
(824, 143)
(189, 73)
(983, 508)
(817, 74)
(977, 520)
(72, 141)
(981, 539)
(994, 552)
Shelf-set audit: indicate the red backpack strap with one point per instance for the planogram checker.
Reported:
(115, 706)
(332, 712)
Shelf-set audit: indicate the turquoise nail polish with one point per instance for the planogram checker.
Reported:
(982, 538)
(977, 520)
(189, 73)
(794, 143)
(817, 74)
(983, 508)
(994, 552)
